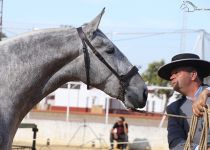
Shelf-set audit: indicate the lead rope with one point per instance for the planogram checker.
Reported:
(204, 133)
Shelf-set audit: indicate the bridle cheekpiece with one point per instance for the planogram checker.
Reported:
(124, 79)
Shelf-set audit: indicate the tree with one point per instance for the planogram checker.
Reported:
(152, 78)
(150, 75)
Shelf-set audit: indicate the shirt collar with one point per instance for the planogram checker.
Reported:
(200, 89)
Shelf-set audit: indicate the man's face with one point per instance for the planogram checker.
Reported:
(181, 79)
(120, 121)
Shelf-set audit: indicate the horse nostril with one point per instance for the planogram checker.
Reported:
(145, 94)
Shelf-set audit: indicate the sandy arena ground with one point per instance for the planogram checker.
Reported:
(57, 147)
(139, 120)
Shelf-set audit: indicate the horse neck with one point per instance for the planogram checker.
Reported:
(49, 45)
(38, 56)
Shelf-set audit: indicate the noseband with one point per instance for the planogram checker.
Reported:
(124, 79)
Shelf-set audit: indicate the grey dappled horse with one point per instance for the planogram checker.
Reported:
(37, 63)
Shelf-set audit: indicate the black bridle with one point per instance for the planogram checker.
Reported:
(124, 79)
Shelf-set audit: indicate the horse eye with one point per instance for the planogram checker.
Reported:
(94, 34)
(110, 51)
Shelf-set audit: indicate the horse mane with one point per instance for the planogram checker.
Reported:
(35, 32)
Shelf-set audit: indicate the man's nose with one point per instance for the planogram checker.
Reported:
(172, 76)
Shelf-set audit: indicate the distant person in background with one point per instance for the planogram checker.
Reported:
(119, 133)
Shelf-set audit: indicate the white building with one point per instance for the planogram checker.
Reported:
(76, 96)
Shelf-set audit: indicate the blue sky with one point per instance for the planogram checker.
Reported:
(145, 31)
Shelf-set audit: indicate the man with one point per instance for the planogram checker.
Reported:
(186, 73)
(119, 132)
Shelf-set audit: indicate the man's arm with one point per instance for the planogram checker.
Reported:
(176, 135)
(113, 131)
(177, 129)
(125, 127)
(114, 127)
(198, 104)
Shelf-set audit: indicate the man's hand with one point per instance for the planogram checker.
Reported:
(198, 104)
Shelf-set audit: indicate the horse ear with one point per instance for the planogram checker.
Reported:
(93, 25)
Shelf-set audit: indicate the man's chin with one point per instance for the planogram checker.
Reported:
(176, 88)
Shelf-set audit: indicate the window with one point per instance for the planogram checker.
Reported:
(74, 86)
(65, 86)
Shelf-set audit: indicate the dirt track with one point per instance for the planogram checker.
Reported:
(28, 146)
(139, 120)
(135, 119)
(67, 148)
(57, 147)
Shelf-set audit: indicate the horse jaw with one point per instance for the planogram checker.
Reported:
(132, 100)
(135, 94)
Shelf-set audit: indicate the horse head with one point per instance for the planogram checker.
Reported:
(111, 71)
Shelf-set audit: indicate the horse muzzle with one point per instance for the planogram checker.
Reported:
(135, 101)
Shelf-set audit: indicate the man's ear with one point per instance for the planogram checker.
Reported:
(194, 75)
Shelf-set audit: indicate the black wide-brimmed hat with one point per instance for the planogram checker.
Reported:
(185, 60)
